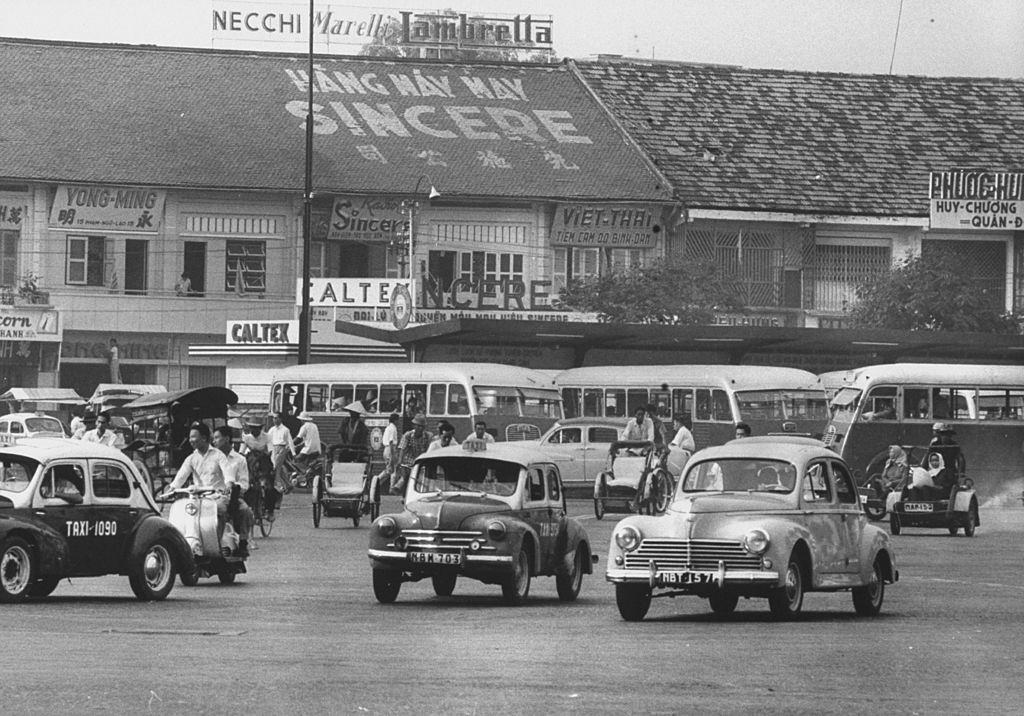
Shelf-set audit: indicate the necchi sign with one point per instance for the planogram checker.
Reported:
(606, 225)
(965, 199)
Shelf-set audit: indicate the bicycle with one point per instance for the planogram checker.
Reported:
(261, 471)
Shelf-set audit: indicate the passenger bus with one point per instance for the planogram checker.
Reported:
(897, 404)
(716, 397)
(517, 403)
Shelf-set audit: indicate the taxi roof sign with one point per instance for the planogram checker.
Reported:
(474, 445)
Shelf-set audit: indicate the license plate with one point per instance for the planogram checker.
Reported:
(674, 579)
(451, 558)
(917, 507)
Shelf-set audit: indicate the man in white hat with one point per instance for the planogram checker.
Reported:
(308, 442)
(354, 436)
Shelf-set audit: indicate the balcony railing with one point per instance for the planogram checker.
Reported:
(12, 296)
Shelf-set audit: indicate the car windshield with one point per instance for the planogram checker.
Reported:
(43, 425)
(452, 474)
(740, 475)
(782, 405)
(16, 472)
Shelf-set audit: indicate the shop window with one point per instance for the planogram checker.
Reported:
(8, 257)
(840, 269)
(476, 265)
(245, 267)
(86, 259)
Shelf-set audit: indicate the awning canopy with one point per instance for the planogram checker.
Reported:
(61, 396)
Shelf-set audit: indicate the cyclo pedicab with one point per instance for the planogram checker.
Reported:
(349, 485)
(635, 480)
(936, 494)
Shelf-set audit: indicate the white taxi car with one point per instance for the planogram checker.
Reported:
(25, 425)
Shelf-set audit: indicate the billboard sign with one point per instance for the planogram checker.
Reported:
(976, 200)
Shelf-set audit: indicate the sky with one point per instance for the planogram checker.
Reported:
(979, 38)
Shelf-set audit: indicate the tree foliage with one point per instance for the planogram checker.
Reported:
(933, 292)
(682, 292)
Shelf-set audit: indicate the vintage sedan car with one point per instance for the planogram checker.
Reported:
(494, 512)
(75, 509)
(579, 446)
(770, 517)
(24, 425)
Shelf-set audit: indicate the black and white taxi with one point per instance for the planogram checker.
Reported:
(494, 512)
(15, 426)
(70, 508)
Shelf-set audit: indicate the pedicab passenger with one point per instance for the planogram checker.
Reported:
(639, 427)
(236, 477)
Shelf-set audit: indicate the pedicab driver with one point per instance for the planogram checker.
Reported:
(309, 439)
(206, 466)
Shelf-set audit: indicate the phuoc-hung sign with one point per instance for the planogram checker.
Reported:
(619, 226)
(107, 208)
(966, 199)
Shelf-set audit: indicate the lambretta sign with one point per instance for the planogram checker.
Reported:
(977, 200)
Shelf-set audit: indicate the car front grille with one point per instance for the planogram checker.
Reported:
(694, 554)
(444, 540)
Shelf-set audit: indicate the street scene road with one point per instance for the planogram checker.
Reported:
(302, 631)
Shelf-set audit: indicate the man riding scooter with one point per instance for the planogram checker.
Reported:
(236, 476)
(206, 466)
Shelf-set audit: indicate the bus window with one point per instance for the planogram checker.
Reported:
(316, 397)
(682, 401)
(571, 402)
(497, 401)
(880, 404)
(417, 393)
(703, 404)
(458, 404)
(541, 403)
(437, 399)
(341, 395)
(614, 403)
(915, 403)
(720, 406)
(390, 399)
(293, 398)
(592, 402)
(275, 398)
(660, 401)
(953, 403)
(1001, 404)
(367, 393)
(636, 398)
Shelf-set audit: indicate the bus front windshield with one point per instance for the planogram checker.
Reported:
(844, 405)
(772, 405)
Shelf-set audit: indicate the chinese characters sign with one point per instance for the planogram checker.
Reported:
(107, 208)
(11, 215)
(606, 225)
(963, 199)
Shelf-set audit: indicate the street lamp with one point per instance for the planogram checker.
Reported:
(410, 206)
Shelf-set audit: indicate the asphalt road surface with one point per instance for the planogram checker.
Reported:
(302, 633)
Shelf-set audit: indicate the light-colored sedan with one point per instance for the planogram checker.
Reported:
(579, 446)
(772, 517)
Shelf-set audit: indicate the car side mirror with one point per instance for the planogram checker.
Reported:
(72, 498)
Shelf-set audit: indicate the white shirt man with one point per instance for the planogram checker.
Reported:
(480, 433)
(255, 443)
(236, 472)
(100, 434)
(309, 434)
(683, 439)
(639, 427)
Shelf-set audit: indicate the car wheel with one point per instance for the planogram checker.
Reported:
(971, 523)
(355, 519)
(723, 601)
(43, 587)
(444, 583)
(568, 583)
(633, 601)
(152, 577)
(867, 600)
(787, 600)
(386, 585)
(953, 529)
(516, 588)
(317, 512)
(226, 576)
(17, 570)
(894, 524)
(874, 512)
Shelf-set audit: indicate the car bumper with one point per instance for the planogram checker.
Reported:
(402, 558)
(703, 579)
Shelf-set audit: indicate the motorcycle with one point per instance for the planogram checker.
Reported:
(194, 513)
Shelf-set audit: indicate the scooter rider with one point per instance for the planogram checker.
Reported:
(237, 478)
(206, 466)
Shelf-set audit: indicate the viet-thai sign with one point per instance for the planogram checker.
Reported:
(338, 27)
(107, 208)
(965, 199)
(367, 219)
(352, 292)
(606, 225)
(262, 332)
(27, 324)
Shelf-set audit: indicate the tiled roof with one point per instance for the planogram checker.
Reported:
(766, 140)
(217, 119)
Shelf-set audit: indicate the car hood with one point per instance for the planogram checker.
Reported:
(714, 502)
(448, 512)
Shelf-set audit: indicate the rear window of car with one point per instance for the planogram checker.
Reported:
(44, 425)
(603, 435)
(16, 472)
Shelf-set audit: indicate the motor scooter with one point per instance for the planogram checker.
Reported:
(193, 512)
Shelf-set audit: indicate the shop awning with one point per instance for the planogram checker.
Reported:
(62, 396)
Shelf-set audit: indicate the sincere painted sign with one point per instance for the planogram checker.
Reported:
(964, 199)
(262, 332)
(367, 219)
(606, 225)
(352, 292)
(26, 324)
(107, 208)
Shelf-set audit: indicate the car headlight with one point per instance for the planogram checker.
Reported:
(628, 538)
(496, 530)
(756, 541)
(387, 526)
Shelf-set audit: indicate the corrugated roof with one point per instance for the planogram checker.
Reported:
(219, 119)
(769, 140)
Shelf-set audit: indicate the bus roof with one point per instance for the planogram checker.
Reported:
(736, 377)
(478, 373)
(935, 373)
